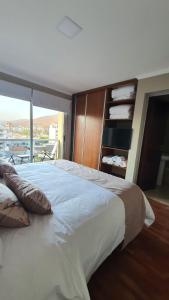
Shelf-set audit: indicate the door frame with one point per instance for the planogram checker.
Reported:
(143, 123)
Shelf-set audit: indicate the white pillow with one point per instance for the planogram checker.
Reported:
(4, 190)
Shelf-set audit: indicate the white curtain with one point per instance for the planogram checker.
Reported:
(51, 102)
(13, 90)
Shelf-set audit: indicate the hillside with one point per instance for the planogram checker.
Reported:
(39, 122)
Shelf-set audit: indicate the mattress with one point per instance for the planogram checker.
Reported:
(55, 257)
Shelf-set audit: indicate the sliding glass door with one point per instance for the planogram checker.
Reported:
(48, 128)
(29, 133)
(15, 140)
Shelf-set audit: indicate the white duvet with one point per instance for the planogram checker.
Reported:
(55, 257)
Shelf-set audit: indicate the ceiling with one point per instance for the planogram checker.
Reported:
(121, 39)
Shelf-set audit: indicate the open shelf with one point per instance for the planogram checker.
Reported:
(114, 148)
(112, 169)
(115, 125)
(114, 120)
(113, 166)
(121, 101)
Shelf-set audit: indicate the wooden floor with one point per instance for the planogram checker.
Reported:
(141, 271)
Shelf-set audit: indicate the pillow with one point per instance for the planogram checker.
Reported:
(12, 214)
(29, 195)
(6, 167)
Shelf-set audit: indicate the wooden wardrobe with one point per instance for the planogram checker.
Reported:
(90, 117)
(88, 124)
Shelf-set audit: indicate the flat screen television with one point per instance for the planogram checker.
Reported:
(117, 138)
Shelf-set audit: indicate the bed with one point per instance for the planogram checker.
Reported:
(93, 213)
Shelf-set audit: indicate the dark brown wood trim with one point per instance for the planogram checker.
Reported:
(72, 127)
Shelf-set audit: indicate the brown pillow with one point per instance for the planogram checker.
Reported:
(12, 214)
(30, 196)
(6, 167)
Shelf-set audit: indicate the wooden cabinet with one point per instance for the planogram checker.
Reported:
(93, 129)
(89, 110)
(90, 118)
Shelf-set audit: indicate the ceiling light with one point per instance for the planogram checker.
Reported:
(68, 27)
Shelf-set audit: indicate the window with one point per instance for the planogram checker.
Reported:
(48, 127)
(21, 132)
(14, 128)
(29, 133)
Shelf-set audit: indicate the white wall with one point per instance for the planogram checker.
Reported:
(145, 87)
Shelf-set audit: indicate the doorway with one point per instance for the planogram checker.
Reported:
(153, 175)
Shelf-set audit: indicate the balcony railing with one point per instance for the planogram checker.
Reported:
(19, 150)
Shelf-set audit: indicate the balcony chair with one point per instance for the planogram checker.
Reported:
(49, 153)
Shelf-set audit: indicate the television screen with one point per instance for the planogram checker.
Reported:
(117, 138)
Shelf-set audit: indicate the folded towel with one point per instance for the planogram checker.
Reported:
(123, 92)
(123, 96)
(115, 160)
(121, 117)
(107, 159)
(120, 109)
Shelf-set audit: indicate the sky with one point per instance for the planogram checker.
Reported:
(14, 109)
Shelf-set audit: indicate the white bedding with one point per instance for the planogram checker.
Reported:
(54, 257)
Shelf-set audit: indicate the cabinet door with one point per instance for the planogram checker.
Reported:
(93, 128)
(79, 128)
